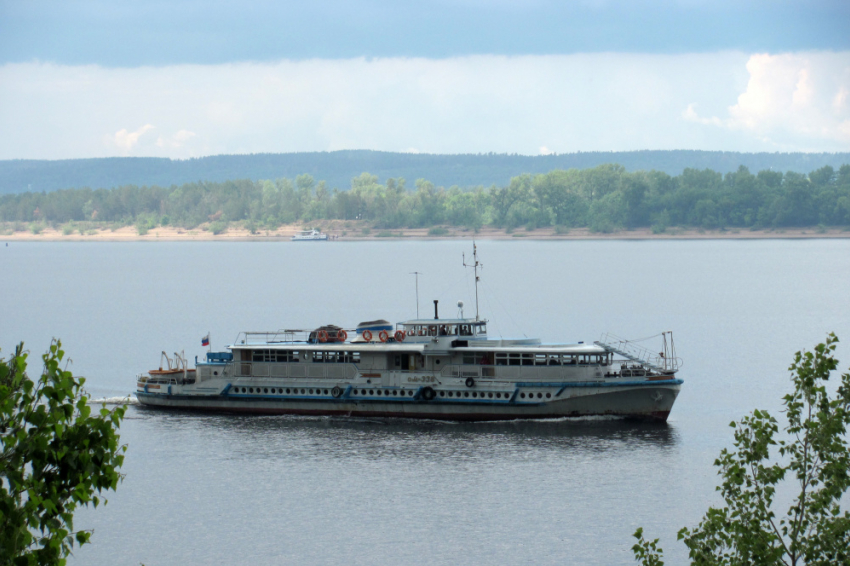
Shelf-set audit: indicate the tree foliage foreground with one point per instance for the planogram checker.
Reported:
(813, 464)
(57, 455)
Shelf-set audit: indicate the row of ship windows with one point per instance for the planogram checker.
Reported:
(445, 329)
(281, 391)
(469, 358)
(542, 359)
(387, 393)
(316, 357)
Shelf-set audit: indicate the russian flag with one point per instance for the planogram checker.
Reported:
(205, 341)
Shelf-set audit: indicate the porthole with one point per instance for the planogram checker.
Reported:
(474, 394)
(490, 395)
(548, 395)
(522, 395)
(410, 393)
(251, 390)
(266, 390)
(288, 391)
(326, 391)
(311, 392)
(540, 396)
(466, 393)
(302, 392)
(371, 392)
(215, 373)
(498, 395)
(442, 393)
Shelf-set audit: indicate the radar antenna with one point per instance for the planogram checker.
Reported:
(475, 265)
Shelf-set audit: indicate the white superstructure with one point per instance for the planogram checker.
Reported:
(309, 236)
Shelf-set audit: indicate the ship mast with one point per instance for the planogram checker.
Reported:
(475, 265)
(417, 274)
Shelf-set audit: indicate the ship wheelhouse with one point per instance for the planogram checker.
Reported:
(460, 328)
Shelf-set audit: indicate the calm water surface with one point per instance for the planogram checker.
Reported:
(279, 490)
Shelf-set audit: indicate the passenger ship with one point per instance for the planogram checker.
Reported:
(309, 236)
(447, 369)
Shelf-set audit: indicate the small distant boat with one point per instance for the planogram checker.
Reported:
(309, 236)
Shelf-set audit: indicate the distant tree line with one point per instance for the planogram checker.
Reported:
(604, 198)
(338, 167)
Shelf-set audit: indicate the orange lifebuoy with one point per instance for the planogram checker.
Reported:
(383, 335)
(342, 335)
(323, 336)
(367, 335)
(399, 335)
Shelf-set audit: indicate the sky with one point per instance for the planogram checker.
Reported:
(188, 78)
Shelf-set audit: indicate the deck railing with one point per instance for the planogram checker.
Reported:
(663, 361)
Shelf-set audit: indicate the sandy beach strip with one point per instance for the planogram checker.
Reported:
(353, 232)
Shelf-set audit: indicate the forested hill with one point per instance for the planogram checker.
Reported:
(337, 168)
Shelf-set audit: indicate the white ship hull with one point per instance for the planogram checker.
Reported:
(648, 400)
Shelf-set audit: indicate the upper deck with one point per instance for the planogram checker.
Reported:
(423, 336)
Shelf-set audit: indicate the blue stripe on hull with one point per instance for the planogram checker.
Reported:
(618, 403)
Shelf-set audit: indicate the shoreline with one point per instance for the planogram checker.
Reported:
(347, 232)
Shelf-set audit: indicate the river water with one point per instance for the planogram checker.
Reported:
(203, 489)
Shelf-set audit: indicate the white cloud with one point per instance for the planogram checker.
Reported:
(690, 114)
(125, 141)
(839, 103)
(176, 141)
(545, 150)
(583, 102)
(793, 101)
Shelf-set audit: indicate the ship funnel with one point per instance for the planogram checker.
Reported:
(436, 313)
